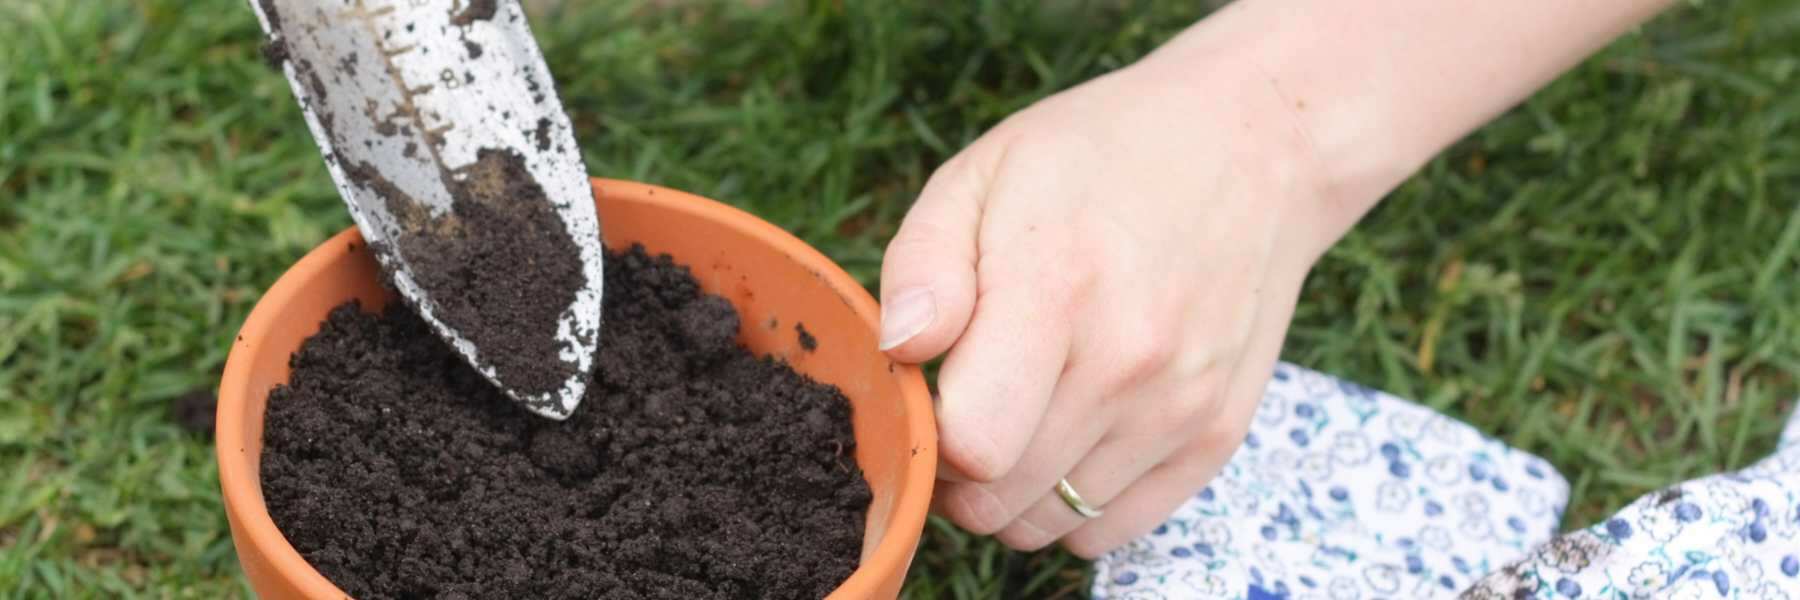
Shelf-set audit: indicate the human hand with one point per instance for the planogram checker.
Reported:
(1112, 272)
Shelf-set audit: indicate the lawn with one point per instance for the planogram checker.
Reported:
(1606, 276)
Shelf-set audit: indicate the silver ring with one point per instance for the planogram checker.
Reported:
(1073, 499)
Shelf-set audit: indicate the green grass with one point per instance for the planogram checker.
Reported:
(1606, 276)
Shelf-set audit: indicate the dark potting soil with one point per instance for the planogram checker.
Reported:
(692, 469)
(500, 268)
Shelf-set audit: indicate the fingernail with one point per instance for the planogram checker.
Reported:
(909, 313)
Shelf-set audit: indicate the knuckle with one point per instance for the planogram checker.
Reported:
(1025, 536)
(1025, 539)
(1185, 408)
(1072, 289)
(1200, 393)
(1190, 412)
(1142, 351)
(1152, 354)
(1087, 545)
(1176, 418)
(973, 453)
(976, 510)
(1209, 434)
(960, 174)
(918, 234)
(1067, 275)
(969, 166)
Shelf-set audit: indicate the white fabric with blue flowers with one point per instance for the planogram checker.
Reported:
(1345, 493)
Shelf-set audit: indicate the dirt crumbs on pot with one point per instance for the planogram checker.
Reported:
(692, 469)
(501, 268)
(807, 341)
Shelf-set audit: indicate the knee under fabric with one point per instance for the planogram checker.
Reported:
(1343, 492)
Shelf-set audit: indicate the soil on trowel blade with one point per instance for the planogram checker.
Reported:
(500, 268)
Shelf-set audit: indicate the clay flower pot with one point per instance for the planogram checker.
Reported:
(767, 273)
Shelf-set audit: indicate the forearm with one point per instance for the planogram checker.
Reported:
(1374, 88)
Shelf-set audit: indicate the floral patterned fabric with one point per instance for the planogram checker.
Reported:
(1345, 493)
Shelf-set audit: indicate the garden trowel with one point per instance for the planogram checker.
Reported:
(423, 107)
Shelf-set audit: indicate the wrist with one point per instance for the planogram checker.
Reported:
(1328, 162)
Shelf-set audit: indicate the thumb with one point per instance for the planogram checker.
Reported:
(928, 273)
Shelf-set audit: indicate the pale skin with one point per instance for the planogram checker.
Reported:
(1110, 272)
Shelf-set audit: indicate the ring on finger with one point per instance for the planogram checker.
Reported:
(1073, 499)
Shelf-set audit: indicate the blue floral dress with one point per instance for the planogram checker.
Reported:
(1345, 493)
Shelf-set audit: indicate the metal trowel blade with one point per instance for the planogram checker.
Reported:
(402, 97)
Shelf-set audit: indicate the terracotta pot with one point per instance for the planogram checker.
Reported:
(770, 275)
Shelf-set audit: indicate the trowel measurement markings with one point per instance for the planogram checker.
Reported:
(407, 107)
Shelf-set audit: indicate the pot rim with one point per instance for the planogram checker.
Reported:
(254, 526)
